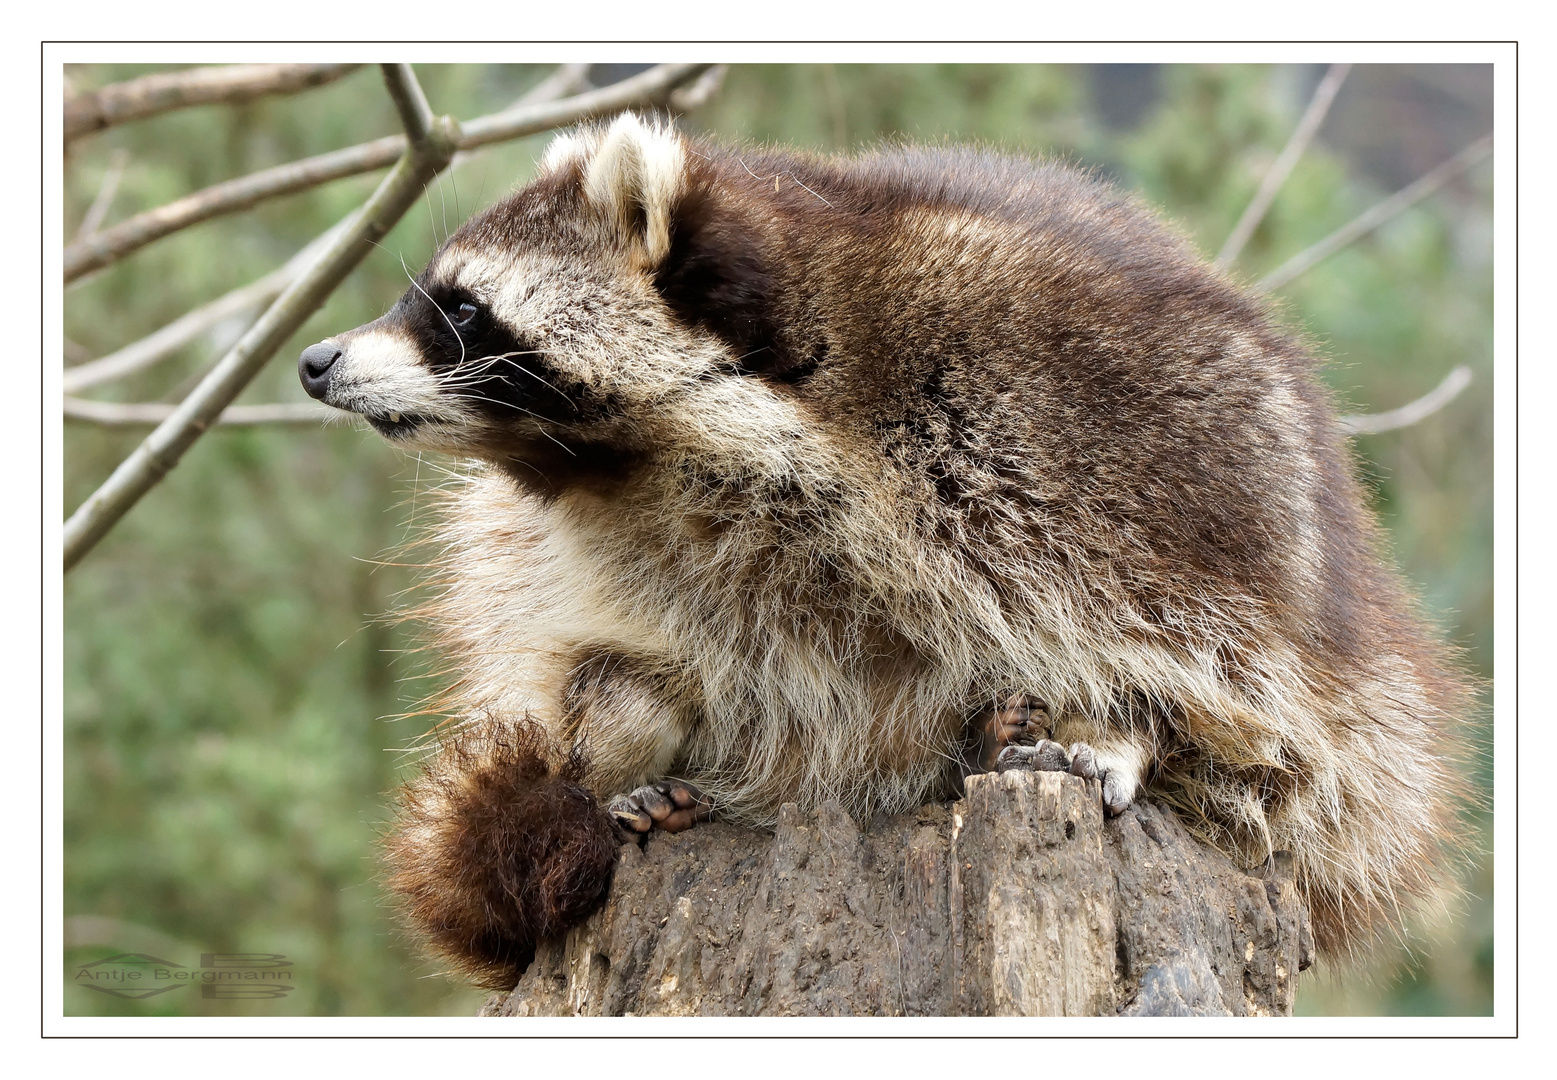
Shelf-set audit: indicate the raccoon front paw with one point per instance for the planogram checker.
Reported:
(671, 805)
(1020, 719)
(1079, 760)
(1041, 756)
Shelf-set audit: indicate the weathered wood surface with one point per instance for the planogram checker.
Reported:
(1019, 900)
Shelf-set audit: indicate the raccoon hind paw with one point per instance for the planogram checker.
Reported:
(670, 805)
(1119, 784)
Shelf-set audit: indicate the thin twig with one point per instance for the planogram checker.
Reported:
(694, 95)
(228, 197)
(1378, 214)
(567, 79)
(154, 94)
(1424, 406)
(151, 413)
(105, 194)
(175, 335)
(415, 114)
(1302, 135)
(163, 448)
(652, 87)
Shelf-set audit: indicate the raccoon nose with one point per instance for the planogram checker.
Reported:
(314, 366)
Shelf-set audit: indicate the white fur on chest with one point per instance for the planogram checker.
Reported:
(794, 704)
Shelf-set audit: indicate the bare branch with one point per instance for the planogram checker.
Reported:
(163, 448)
(652, 87)
(567, 79)
(152, 413)
(154, 94)
(696, 94)
(649, 88)
(1302, 135)
(105, 194)
(229, 197)
(415, 114)
(1378, 214)
(174, 336)
(1423, 407)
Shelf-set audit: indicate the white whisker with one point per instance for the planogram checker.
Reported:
(432, 222)
(418, 288)
(519, 408)
(443, 204)
(473, 372)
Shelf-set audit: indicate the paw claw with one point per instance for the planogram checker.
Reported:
(1083, 762)
(1117, 792)
(629, 814)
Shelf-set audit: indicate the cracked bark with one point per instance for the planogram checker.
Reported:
(1018, 900)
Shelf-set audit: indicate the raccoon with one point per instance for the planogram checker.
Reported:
(796, 478)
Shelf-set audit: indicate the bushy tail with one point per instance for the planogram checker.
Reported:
(496, 848)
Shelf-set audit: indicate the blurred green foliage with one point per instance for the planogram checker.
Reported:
(230, 702)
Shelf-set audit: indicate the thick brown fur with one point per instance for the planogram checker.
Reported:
(788, 466)
(497, 848)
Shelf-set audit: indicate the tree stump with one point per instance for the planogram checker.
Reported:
(1018, 900)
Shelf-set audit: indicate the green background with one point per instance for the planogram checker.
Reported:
(233, 710)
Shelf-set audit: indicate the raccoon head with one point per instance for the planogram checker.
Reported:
(598, 314)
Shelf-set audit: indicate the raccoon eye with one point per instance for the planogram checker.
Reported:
(463, 316)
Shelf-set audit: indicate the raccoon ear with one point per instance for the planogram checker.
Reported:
(634, 178)
(719, 273)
